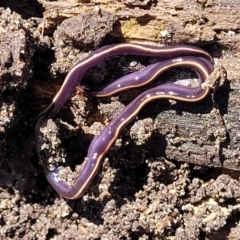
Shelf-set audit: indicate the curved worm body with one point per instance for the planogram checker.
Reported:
(192, 57)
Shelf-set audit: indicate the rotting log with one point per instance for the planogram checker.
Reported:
(212, 137)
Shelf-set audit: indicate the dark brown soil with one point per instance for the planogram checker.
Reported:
(172, 174)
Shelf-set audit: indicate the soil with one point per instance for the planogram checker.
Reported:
(173, 173)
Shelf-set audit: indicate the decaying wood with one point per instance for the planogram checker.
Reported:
(210, 138)
(172, 21)
(139, 193)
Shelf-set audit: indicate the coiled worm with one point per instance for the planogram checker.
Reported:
(172, 57)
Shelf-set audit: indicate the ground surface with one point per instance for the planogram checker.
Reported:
(173, 173)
